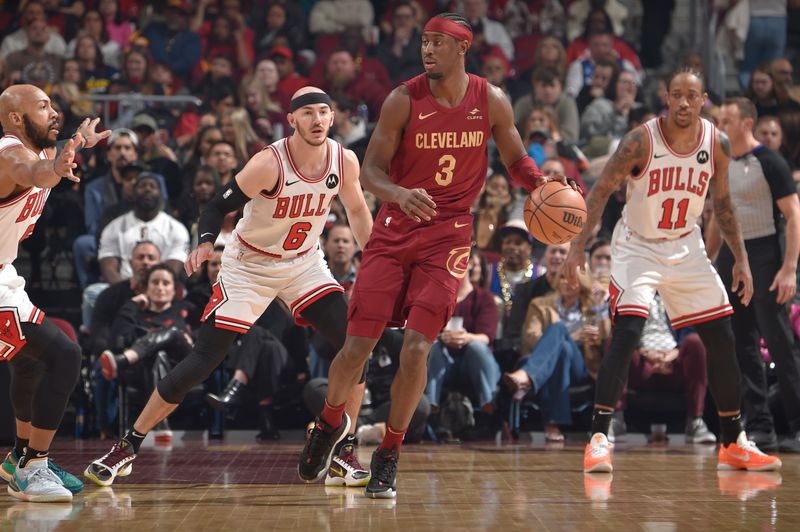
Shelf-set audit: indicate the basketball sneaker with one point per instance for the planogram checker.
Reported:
(597, 456)
(345, 469)
(115, 463)
(744, 454)
(383, 468)
(108, 364)
(70, 481)
(318, 451)
(37, 483)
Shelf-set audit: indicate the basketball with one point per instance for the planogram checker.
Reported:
(555, 213)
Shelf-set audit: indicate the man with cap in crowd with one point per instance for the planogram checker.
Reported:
(159, 157)
(515, 265)
(290, 81)
(172, 42)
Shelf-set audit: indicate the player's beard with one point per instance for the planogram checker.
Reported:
(307, 137)
(39, 137)
(436, 76)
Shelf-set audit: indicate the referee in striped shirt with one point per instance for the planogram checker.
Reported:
(766, 200)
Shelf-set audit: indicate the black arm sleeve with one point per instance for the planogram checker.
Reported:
(777, 173)
(226, 200)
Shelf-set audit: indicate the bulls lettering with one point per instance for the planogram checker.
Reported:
(673, 178)
(302, 205)
(34, 205)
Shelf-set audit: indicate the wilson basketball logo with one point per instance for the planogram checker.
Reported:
(458, 262)
(573, 219)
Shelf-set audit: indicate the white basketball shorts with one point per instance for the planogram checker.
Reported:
(249, 281)
(15, 308)
(678, 269)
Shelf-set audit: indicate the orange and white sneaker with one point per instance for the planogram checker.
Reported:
(745, 455)
(597, 457)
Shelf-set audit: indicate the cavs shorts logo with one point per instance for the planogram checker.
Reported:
(458, 262)
(11, 337)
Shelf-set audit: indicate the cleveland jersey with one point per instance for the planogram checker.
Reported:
(665, 200)
(18, 215)
(288, 221)
(444, 150)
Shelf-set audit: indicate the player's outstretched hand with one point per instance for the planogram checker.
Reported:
(417, 204)
(65, 162)
(197, 257)
(742, 282)
(575, 260)
(87, 129)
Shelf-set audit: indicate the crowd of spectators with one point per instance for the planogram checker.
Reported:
(192, 89)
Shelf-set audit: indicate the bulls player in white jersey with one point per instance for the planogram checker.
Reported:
(44, 363)
(671, 163)
(286, 191)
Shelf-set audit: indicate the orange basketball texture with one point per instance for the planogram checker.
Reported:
(555, 213)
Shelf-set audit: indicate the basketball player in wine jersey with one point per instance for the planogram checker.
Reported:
(427, 161)
(286, 191)
(44, 363)
(671, 164)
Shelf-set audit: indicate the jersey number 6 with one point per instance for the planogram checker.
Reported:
(447, 163)
(297, 235)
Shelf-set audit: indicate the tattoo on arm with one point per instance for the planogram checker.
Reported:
(723, 205)
(630, 154)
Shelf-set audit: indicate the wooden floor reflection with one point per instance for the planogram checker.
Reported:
(224, 487)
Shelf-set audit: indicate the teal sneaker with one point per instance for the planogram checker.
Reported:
(36, 482)
(70, 481)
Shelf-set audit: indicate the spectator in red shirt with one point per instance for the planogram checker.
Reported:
(341, 75)
(290, 81)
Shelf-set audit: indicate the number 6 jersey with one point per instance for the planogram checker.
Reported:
(666, 198)
(288, 221)
(443, 150)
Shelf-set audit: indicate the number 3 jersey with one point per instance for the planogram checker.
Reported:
(288, 221)
(444, 150)
(666, 198)
(18, 214)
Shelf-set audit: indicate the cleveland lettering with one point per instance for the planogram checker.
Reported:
(449, 140)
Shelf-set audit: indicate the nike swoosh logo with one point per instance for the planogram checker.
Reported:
(204, 234)
(288, 184)
(660, 155)
(459, 226)
(743, 457)
(423, 117)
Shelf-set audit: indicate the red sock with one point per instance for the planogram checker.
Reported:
(332, 415)
(393, 439)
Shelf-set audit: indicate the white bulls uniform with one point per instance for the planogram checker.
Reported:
(657, 244)
(18, 216)
(274, 250)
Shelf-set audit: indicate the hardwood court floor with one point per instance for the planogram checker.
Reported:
(226, 487)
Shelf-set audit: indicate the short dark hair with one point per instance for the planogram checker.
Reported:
(545, 74)
(687, 70)
(222, 141)
(747, 109)
(455, 17)
(161, 266)
(600, 242)
(343, 101)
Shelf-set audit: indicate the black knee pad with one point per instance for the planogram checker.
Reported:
(723, 367)
(26, 372)
(60, 360)
(329, 316)
(209, 351)
(613, 373)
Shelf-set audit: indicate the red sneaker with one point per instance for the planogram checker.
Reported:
(597, 457)
(745, 455)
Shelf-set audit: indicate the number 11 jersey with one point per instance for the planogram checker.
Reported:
(444, 150)
(666, 198)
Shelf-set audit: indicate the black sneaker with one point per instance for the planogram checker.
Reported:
(383, 483)
(316, 455)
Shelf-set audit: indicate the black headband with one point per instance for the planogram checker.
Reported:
(309, 98)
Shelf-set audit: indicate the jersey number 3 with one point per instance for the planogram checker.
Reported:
(447, 164)
(666, 214)
(296, 236)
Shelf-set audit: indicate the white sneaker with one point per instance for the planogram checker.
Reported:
(36, 483)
